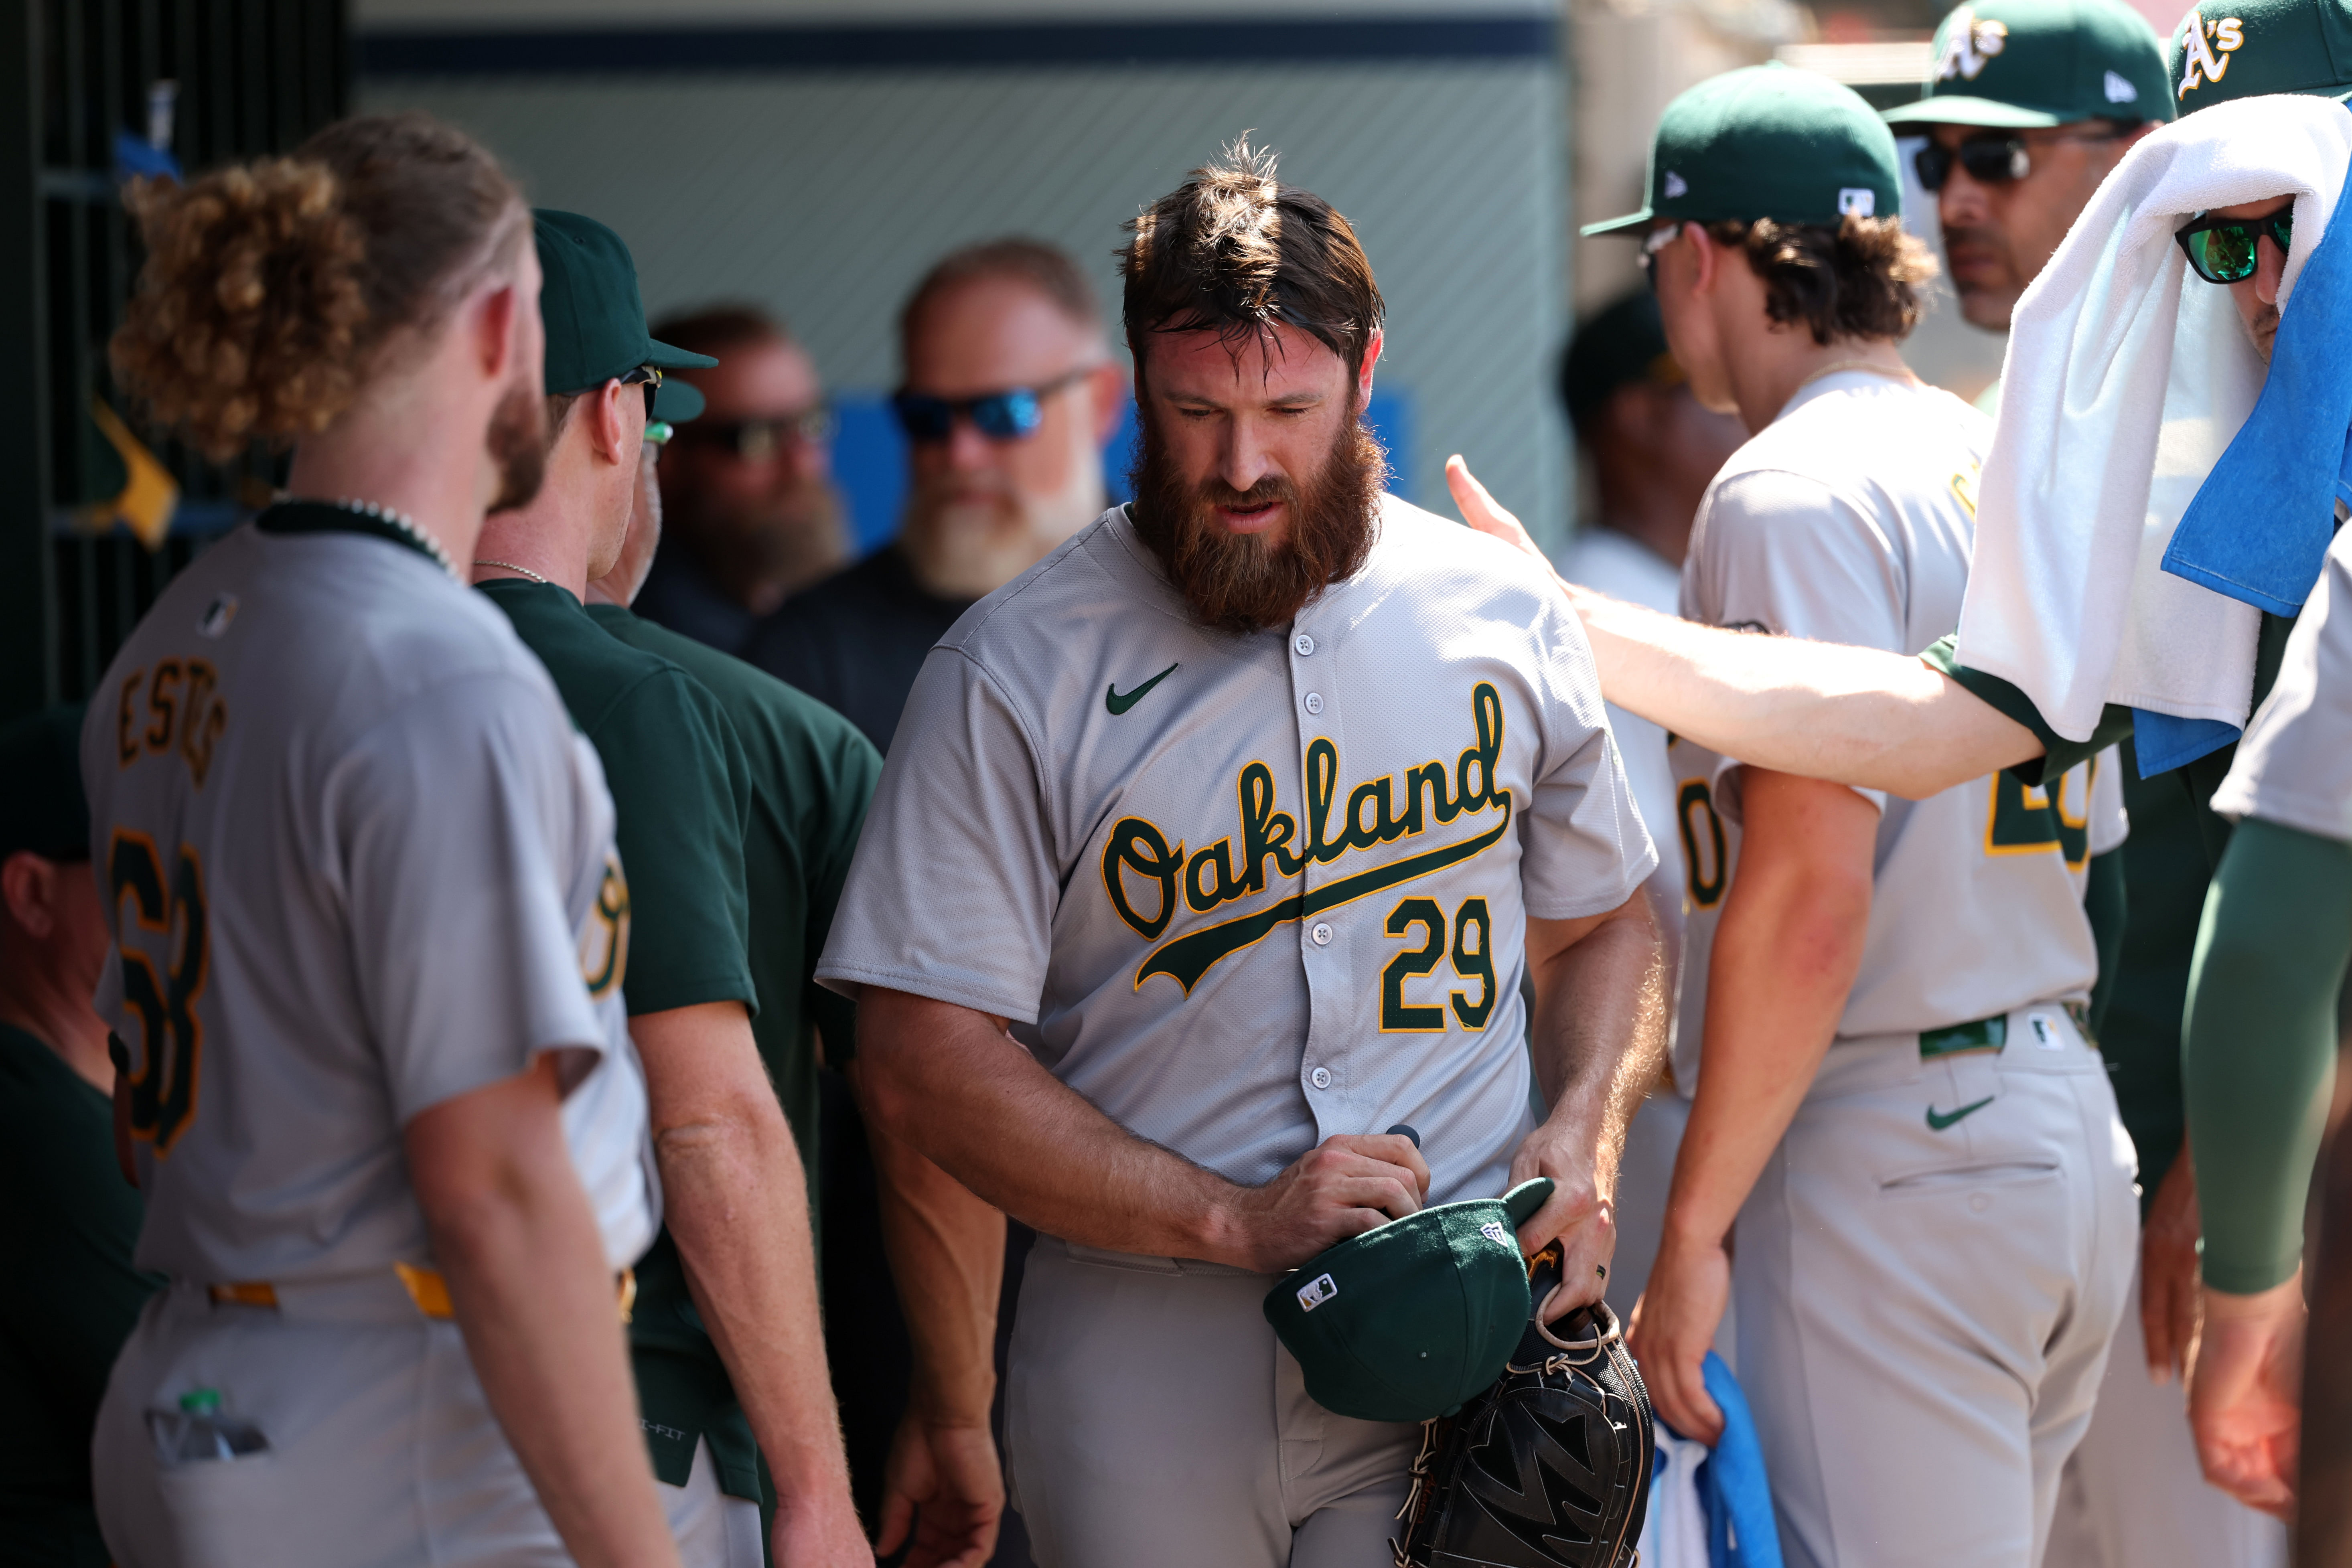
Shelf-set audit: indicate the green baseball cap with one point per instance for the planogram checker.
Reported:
(41, 804)
(2021, 63)
(595, 318)
(1766, 141)
(1411, 1318)
(2222, 51)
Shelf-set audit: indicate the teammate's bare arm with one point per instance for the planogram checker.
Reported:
(736, 1201)
(1862, 716)
(1785, 956)
(514, 1237)
(943, 1486)
(1600, 1034)
(953, 1083)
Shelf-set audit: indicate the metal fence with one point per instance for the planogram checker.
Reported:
(104, 85)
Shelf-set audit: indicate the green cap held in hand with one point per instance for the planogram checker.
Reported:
(2019, 65)
(1411, 1318)
(1766, 141)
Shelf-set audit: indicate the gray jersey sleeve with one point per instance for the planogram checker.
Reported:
(1785, 554)
(1585, 848)
(2295, 766)
(956, 842)
(454, 822)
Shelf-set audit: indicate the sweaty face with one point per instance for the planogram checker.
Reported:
(2000, 235)
(1257, 485)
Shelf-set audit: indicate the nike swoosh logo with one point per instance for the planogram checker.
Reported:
(1120, 702)
(1937, 1121)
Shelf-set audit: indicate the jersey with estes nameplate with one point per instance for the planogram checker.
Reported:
(356, 863)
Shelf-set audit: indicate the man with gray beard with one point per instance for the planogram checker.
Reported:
(1222, 841)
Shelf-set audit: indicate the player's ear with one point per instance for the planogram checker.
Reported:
(494, 322)
(27, 889)
(609, 428)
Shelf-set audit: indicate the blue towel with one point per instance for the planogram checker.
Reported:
(2260, 525)
(1741, 1531)
(2164, 741)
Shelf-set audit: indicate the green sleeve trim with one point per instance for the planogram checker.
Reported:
(2258, 1059)
(2106, 904)
(2059, 754)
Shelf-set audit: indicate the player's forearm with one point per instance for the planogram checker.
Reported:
(2259, 1051)
(966, 1095)
(1821, 710)
(735, 1203)
(1600, 1031)
(947, 1254)
(515, 1240)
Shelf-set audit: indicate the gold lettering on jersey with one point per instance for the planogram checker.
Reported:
(2024, 820)
(183, 713)
(1145, 877)
(604, 934)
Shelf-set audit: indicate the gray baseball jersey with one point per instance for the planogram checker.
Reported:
(356, 861)
(2295, 766)
(1243, 892)
(1850, 520)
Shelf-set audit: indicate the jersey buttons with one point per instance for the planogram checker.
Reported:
(1314, 702)
(1302, 644)
(1320, 1078)
(1322, 934)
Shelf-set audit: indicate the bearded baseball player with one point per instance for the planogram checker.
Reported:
(2075, 500)
(1213, 846)
(371, 927)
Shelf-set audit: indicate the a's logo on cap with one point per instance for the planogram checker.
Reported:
(1316, 1291)
(2119, 90)
(1673, 185)
(2206, 48)
(1857, 201)
(1969, 45)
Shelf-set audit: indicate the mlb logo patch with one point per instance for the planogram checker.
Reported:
(214, 621)
(1857, 201)
(1316, 1291)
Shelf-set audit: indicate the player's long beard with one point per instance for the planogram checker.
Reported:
(1238, 582)
(518, 444)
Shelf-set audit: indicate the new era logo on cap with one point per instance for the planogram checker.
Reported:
(1676, 185)
(1316, 1291)
(2119, 90)
(1857, 201)
(1496, 1234)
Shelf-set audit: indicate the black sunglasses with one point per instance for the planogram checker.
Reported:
(2223, 250)
(648, 377)
(1013, 414)
(1989, 159)
(759, 440)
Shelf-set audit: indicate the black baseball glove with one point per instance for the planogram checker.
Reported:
(1547, 1468)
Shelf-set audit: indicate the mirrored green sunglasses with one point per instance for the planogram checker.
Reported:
(2223, 250)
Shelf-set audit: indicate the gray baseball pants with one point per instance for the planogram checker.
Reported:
(1153, 1420)
(1927, 1276)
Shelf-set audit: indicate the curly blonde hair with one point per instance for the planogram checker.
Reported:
(271, 289)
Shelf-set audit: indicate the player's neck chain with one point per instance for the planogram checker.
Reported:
(407, 527)
(509, 566)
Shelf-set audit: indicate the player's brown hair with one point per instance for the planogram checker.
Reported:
(1233, 251)
(1046, 268)
(1860, 279)
(272, 290)
(713, 329)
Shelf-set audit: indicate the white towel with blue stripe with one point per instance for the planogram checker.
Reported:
(2126, 378)
(1712, 1507)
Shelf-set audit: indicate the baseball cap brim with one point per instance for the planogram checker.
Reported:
(1956, 109)
(1524, 1199)
(675, 358)
(677, 401)
(1626, 224)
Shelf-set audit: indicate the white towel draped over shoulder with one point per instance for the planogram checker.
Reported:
(2126, 377)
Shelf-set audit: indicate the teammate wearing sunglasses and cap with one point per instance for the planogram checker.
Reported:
(2030, 104)
(2084, 622)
